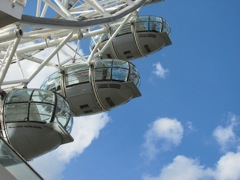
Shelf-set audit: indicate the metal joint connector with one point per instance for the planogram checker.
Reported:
(19, 32)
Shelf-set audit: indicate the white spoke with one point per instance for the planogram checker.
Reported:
(44, 10)
(55, 8)
(97, 7)
(54, 21)
(38, 9)
(64, 10)
(8, 59)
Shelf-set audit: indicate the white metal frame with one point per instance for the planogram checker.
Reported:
(73, 21)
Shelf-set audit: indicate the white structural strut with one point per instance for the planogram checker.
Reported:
(50, 43)
(61, 11)
(97, 6)
(8, 59)
(94, 50)
(10, 35)
(114, 35)
(60, 23)
(38, 8)
(57, 23)
(64, 10)
(50, 56)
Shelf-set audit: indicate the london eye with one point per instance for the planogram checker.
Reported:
(80, 84)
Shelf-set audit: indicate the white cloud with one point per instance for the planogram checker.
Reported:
(159, 70)
(51, 166)
(227, 168)
(163, 134)
(182, 168)
(226, 136)
(86, 130)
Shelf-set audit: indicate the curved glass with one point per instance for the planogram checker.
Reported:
(104, 70)
(53, 82)
(19, 95)
(134, 76)
(69, 126)
(37, 105)
(116, 70)
(77, 74)
(29, 105)
(63, 113)
(142, 24)
(152, 23)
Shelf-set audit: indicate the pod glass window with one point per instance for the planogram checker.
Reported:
(29, 105)
(37, 106)
(53, 82)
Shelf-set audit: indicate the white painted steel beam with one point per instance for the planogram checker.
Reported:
(113, 36)
(9, 59)
(62, 43)
(10, 35)
(61, 11)
(60, 23)
(97, 7)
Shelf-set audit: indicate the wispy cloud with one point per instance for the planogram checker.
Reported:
(86, 129)
(159, 71)
(162, 135)
(226, 135)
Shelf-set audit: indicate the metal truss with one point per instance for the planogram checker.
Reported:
(54, 24)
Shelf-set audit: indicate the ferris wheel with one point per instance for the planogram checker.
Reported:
(80, 84)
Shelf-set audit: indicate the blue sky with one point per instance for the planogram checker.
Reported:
(186, 124)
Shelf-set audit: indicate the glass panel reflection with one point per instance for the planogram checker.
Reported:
(40, 112)
(134, 76)
(104, 70)
(102, 74)
(52, 82)
(120, 64)
(103, 63)
(69, 125)
(119, 74)
(63, 114)
(19, 95)
(16, 112)
(43, 96)
(77, 77)
(142, 24)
